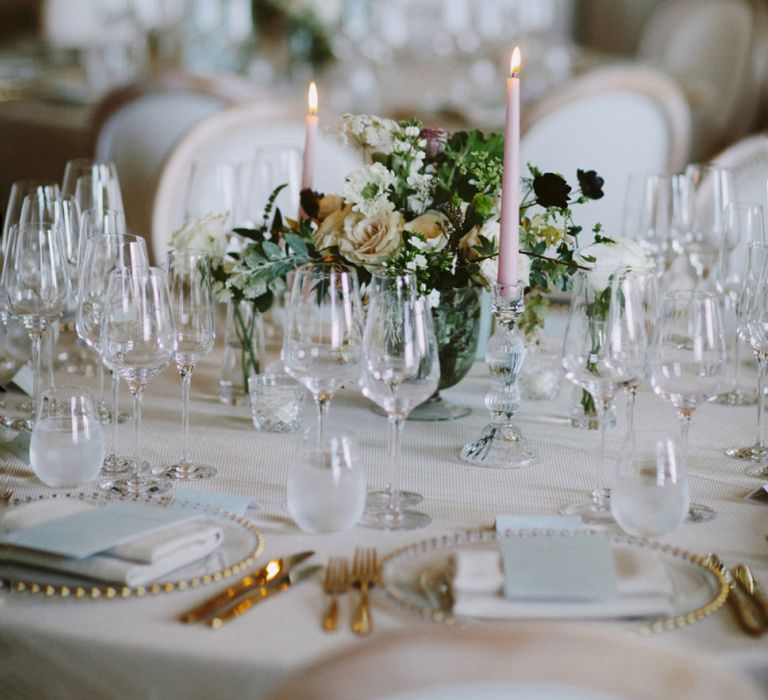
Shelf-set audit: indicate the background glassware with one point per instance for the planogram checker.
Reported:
(323, 338)
(189, 283)
(213, 188)
(272, 166)
(244, 350)
(102, 254)
(648, 212)
(326, 485)
(277, 402)
(400, 370)
(138, 341)
(688, 360)
(93, 184)
(650, 489)
(743, 222)
(67, 446)
(35, 283)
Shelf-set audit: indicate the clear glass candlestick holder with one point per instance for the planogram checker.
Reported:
(501, 444)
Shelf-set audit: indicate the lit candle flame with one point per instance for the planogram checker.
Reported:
(514, 64)
(312, 98)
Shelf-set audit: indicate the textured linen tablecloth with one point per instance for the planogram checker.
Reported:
(135, 648)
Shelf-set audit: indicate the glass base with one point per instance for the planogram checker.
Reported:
(436, 408)
(592, 513)
(115, 467)
(378, 501)
(18, 423)
(758, 470)
(499, 447)
(402, 520)
(753, 453)
(137, 483)
(185, 471)
(737, 397)
(698, 513)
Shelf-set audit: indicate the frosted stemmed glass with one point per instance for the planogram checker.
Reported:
(743, 221)
(102, 254)
(323, 336)
(688, 361)
(35, 283)
(138, 340)
(189, 283)
(401, 369)
(650, 489)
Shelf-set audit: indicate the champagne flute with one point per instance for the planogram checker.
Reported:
(401, 369)
(102, 254)
(688, 361)
(35, 283)
(189, 283)
(138, 340)
(322, 342)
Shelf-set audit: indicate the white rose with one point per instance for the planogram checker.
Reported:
(433, 226)
(206, 234)
(612, 257)
(371, 240)
(489, 268)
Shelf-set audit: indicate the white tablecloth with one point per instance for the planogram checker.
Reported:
(135, 648)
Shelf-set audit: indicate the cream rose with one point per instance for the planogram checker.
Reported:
(612, 257)
(371, 240)
(489, 230)
(207, 233)
(331, 229)
(489, 269)
(433, 226)
(328, 204)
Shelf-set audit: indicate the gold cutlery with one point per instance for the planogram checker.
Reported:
(336, 582)
(745, 578)
(5, 497)
(273, 569)
(746, 614)
(247, 602)
(364, 574)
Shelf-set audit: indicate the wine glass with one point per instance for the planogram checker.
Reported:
(688, 361)
(212, 188)
(647, 213)
(102, 254)
(323, 336)
(93, 184)
(650, 489)
(35, 283)
(189, 283)
(272, 166)
(138, 340)
(400, 370)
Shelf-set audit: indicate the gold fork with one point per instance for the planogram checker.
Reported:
(364, 574)
(336, 583)
(5, 497)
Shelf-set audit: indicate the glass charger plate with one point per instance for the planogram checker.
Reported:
(241, 546)
(418, 576)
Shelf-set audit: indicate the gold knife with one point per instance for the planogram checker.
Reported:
(752, 587)
(746, 614)
(272, 570)
(246, 603)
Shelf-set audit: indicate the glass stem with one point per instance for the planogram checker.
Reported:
(137, 392)
(35, 340)
(101, 384)
(736, 368)
(51, 353)
(631, 399)
(601, 491)
(112, 444)
(685, 424)
(186, 379)
(760, 356)
(394, 463)
(323, 401)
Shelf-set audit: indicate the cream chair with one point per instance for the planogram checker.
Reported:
(616, 120)
(137, 126)
(233, 135)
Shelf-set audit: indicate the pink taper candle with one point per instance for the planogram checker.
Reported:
(509, 236)
(308, 164)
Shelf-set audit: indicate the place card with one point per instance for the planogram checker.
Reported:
(558, 523)
(18, 446)
(24, 379)
(95, 530)
(239, 505)
(759, 495)
(559, 567)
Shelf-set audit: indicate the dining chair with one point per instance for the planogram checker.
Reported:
(712, 48)
(136, 127)
(232, 136)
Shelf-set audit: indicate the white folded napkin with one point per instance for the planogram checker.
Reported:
(134, 563)
(644, 590)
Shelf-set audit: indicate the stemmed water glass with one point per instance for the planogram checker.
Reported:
(102, 254)
(688, 361)
(189, 283)
(35, 283)
(401, 369)
(323, 336)
(138, 341)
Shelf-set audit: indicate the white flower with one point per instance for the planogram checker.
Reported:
(206, 234)
(366, 131)
(433, 226)
(371, 240)
(433, 299)
(367, 189)
(489, 269)
(612, 257)
(489, 230)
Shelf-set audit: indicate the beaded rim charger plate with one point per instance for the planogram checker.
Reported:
(418, 576)
(241, 547)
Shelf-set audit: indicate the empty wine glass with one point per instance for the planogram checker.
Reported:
(650, 489)
(212, 188)
(189, 283)
(138, 341)
(401, 369)
(323, 337)
(272, 166)
(688, 360)
(35, 283)
(647, 213)
(102, 254)
(93, 184)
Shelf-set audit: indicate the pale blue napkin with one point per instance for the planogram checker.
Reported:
(558, 523)
(238, 505)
